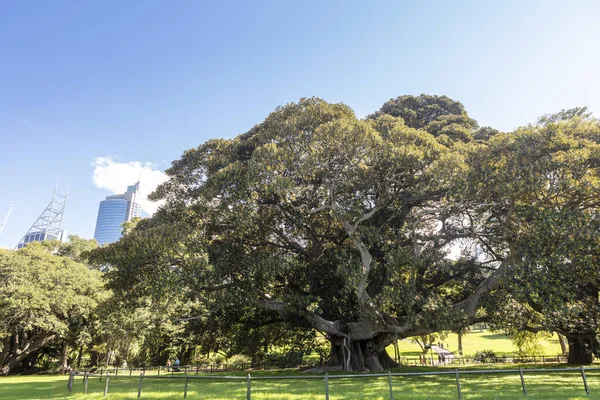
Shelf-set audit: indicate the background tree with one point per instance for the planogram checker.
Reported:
(42, 295)
(540, 187)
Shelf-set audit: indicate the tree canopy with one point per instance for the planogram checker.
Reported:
(41, 295)
(410, 221)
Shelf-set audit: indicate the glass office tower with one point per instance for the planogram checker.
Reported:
(113, 212)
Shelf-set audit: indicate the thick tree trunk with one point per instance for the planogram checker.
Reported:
(29, 363)
(79, 355)
(64, 358)
(361, 355)
(582, 348)
(563, 345)
(110, 355)
(22, 346)
(5, 350)
(460, 348)
(94, 355)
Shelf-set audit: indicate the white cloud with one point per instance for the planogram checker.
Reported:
(116, 176)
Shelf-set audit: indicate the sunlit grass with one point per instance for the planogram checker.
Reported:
(476, 341)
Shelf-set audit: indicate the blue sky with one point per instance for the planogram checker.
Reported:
(114, 88)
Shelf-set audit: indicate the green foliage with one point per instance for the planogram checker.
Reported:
(42, 298)
(238, 361)
(421, 111)
(528, 343)
(77, 248)
(42, 290)
(564, 115)
(316, 219)
(265, 216)
(540, 187)
(485, 356)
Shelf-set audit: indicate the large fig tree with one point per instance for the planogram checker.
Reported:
(323, 220)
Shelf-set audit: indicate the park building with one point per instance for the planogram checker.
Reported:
(115, 210)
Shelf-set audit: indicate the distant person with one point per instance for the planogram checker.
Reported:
(176, 365)
(169, 365)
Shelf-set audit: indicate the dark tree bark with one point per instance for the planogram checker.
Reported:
(582, 348)
(94, 355)
(29, 363)
(64, 358)
(22, 345)
(563, 345)
(361, 355)
(79, 355)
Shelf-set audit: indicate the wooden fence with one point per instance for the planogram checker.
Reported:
(404, 361)
(248, 378)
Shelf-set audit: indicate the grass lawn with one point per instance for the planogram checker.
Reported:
(475, 341)
(542, 385)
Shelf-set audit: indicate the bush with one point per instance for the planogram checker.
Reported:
(485, 356)
(239, 361)
(291, 359)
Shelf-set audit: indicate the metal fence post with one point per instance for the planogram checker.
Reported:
(140, 385)
(390, 382)
(458, 384)
(85, 383)
(326, 386)
(523, 381)
(585, 385)
(248, 387)
(106, 387)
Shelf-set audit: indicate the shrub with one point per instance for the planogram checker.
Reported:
(239, 361)
(485, 356)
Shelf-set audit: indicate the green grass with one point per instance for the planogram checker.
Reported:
(544, 385)
(476, 341)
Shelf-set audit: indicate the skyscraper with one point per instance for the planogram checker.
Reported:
(113, 212)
